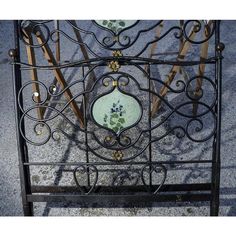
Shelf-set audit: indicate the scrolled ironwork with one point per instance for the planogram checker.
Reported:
(121, 141)
(85, 169)
(121, 161)
(199, 25)
(154, 169)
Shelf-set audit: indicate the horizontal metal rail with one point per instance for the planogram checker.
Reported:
(113, 163)
(119, 200)
(124, 189)
(124, 60)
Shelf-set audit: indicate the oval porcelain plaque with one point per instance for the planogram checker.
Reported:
(116, 111)
(115, 25)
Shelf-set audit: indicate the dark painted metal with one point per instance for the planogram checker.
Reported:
(21, 144)
(118, 200)
(216, 144)
(146, 192)
(122, 189)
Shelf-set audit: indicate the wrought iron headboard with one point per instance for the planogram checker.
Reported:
(118, 112)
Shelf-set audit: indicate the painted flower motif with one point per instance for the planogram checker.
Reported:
(116, 110)
(115, 25)
(115, 119)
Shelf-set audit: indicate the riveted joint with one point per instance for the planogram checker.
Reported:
(220, 47)
(12, 53)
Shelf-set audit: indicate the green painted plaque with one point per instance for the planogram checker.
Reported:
(116, 111)
(115, 25)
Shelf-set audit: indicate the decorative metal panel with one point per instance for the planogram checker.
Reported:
(93, 114)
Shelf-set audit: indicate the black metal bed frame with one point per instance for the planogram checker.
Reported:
(145, 190)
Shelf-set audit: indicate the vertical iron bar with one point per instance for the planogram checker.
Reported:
(85, 128)
(214, 209)
(150, 125)
(21, 145)
(58, 50)
(181, 41)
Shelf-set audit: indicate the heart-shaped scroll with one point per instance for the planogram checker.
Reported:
(84, 171)
(154, 170)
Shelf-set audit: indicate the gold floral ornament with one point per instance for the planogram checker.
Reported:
(114, 66)
(117, 53)
(117, 155)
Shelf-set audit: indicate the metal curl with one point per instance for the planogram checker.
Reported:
(56, 132)
(161, 37)
(56, 31)
(106, 80)
(178, 34)
(33, 29)
(41, 125)
(125, 141)
(38, 123)
(87, 32)
(58, 113)
(198, 27)
(125, 80)
(188, 91)
(126, 40)
(48, 92)
(139, 33)
(108, 41)
(52, 89)
(20, 93)
(178, 83)
(110, 141)
(200, 128)
(179, 132)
